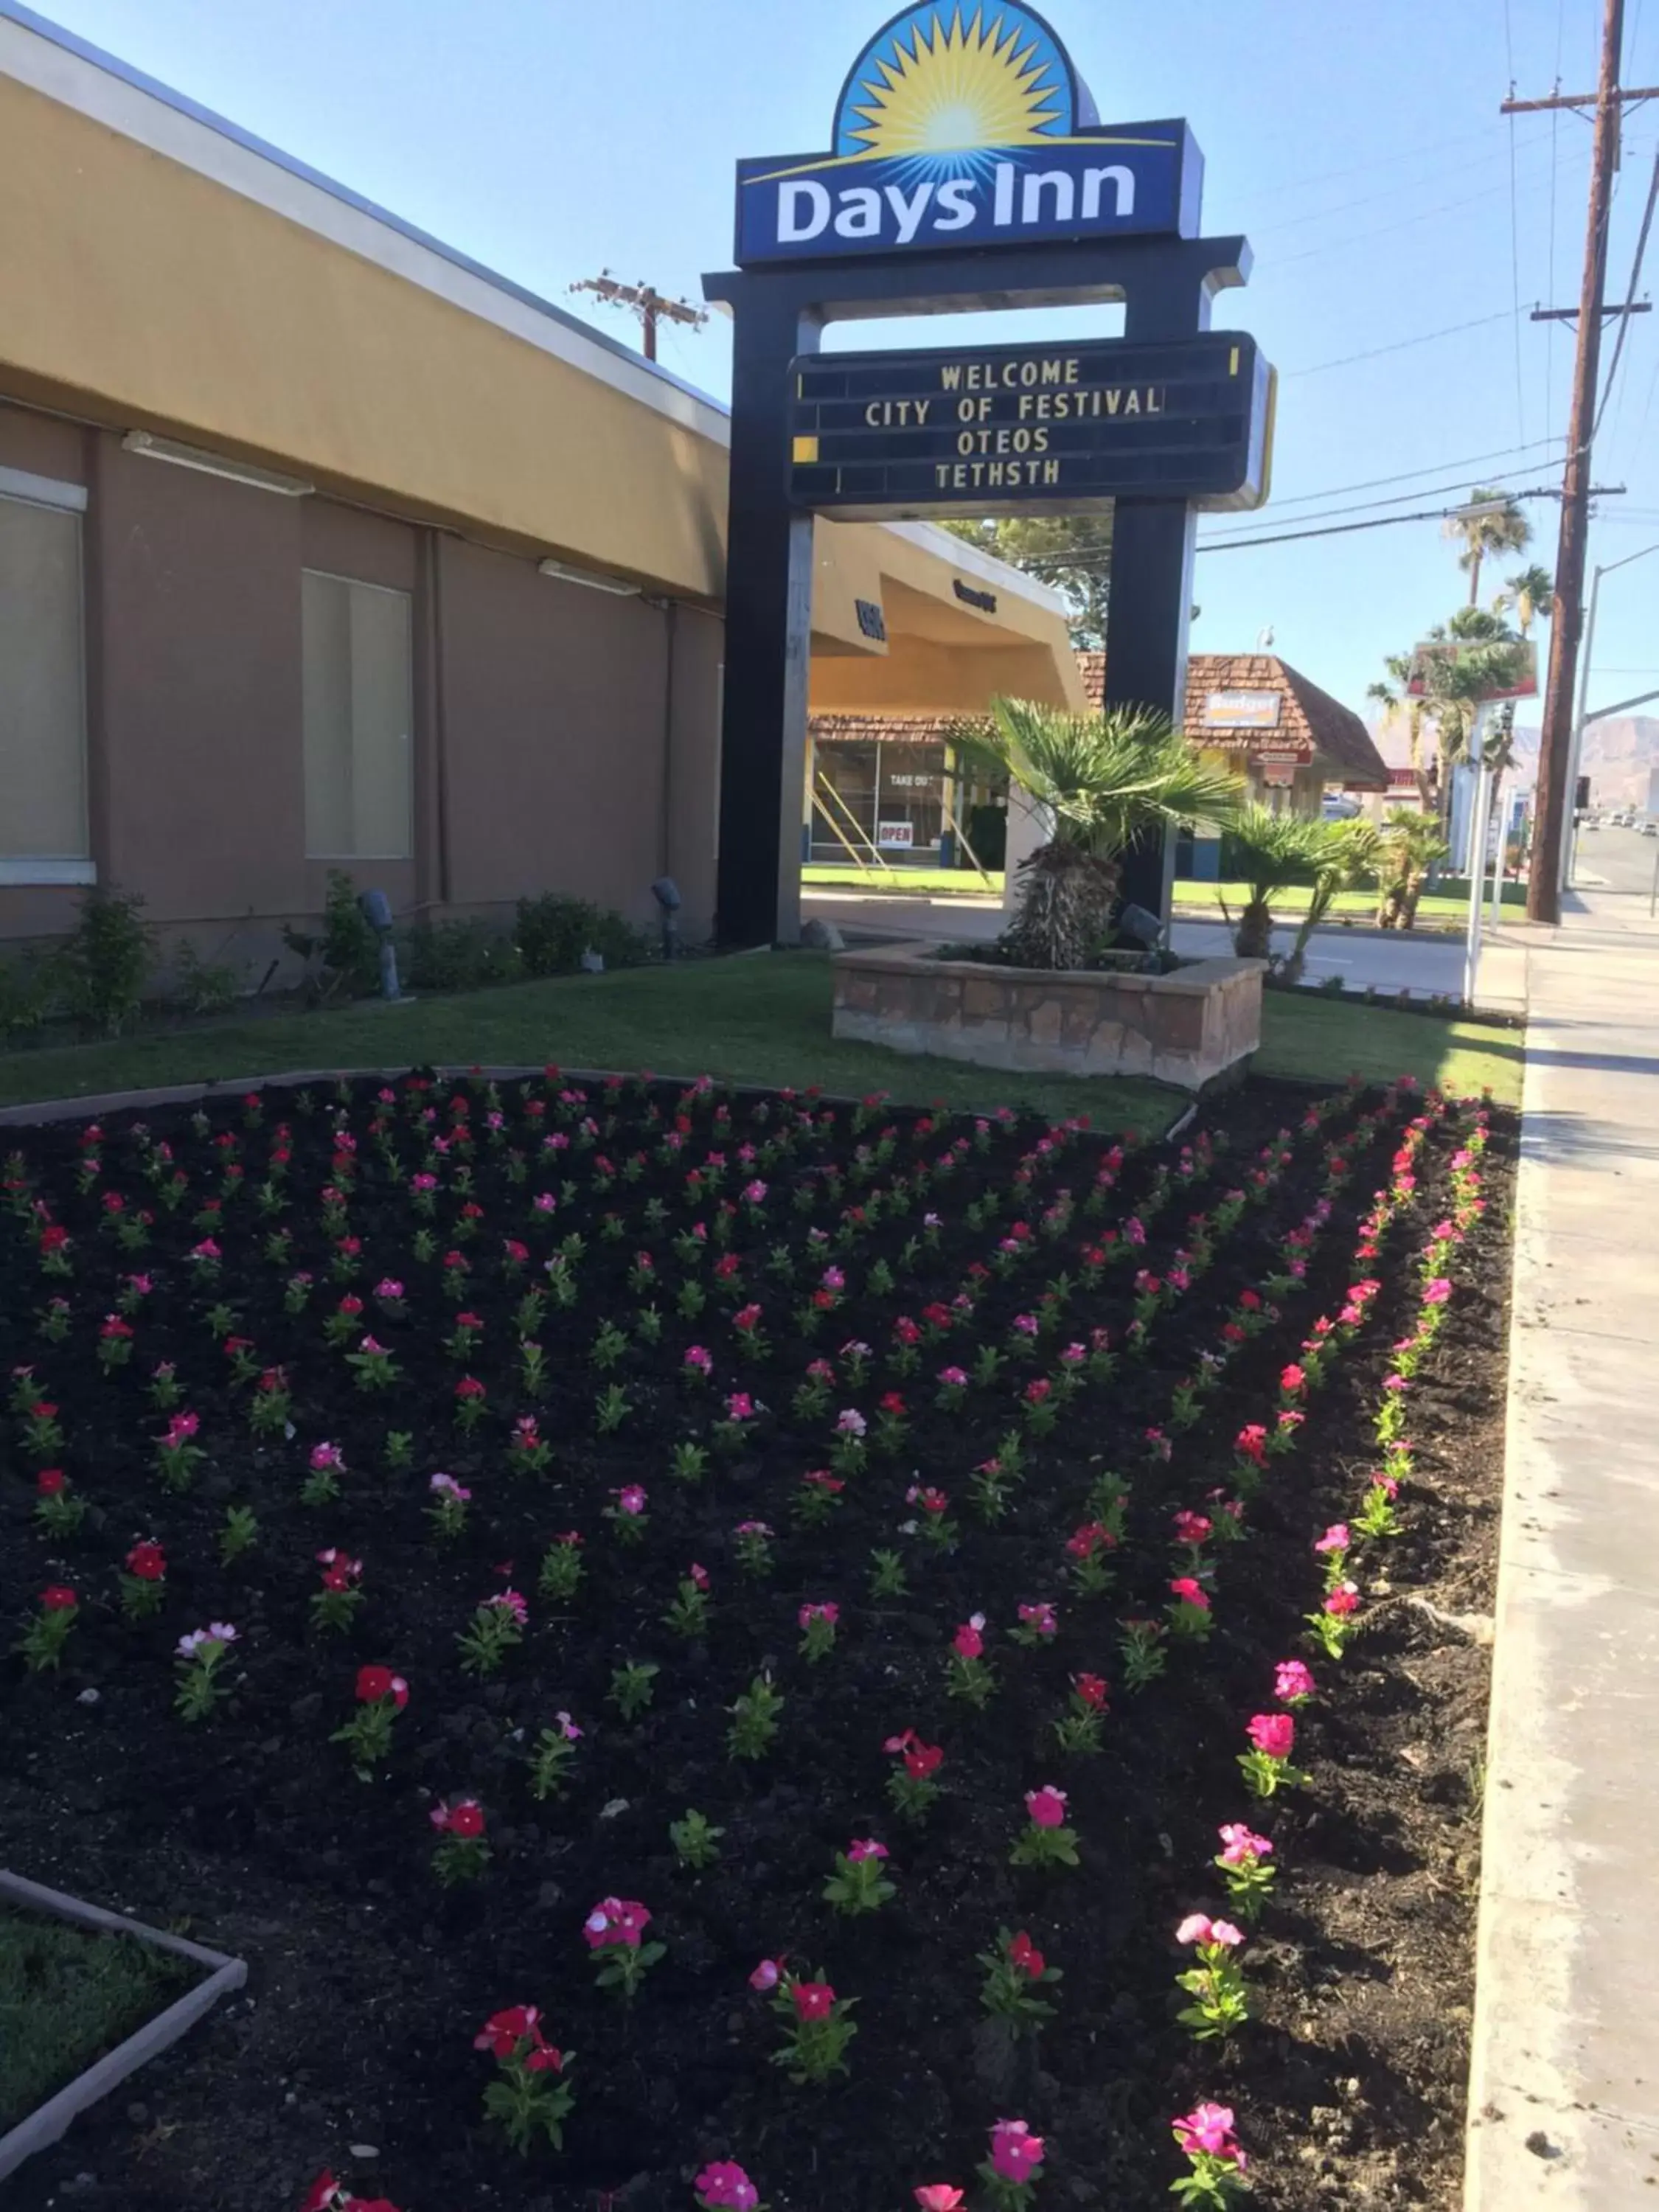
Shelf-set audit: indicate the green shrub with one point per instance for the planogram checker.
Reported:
(458, 956)
(350, 948)
(553, 932)
(29, 989)
(106, 960)
(202, 987)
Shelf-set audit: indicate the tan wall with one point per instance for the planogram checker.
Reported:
(556, 742)
(930, 678)
(544, 758)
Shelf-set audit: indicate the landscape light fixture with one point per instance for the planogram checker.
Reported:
(614, 585)
(376, 909)
(666, 893)
(154, 448)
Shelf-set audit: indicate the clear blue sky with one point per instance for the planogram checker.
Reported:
(1360, 150)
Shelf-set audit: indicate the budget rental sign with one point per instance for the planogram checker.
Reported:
(965, 125)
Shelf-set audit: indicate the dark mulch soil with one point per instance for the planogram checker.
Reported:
(368, 1980)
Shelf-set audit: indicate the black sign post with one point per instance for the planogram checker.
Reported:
(1056, 210)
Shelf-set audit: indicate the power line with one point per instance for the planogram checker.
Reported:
(1379, 161)
(1405, 476)
(1400, 345)
(1366, 506)
(1514, 235)
(1390, 192)
(1630, 297)
(1383, 230)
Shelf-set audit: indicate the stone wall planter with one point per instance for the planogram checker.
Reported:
(220, 1975)
(1187, 1029)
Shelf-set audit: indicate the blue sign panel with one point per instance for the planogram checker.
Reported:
(965, 125)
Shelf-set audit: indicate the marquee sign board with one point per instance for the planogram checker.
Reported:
(990, 430)
(967, 169)
(962, 124)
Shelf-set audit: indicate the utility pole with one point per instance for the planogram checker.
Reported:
(1555, 749)
(647, 302)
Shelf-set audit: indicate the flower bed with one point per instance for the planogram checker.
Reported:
(712, 1644)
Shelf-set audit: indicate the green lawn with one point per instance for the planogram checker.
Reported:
(896, 880)
(68, 1994)
(760, 1018)
(1436, 909)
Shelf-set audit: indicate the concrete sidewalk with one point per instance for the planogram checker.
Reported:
(1564, 2085)
(1427, 965)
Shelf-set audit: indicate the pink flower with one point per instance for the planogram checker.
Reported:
(953, 1378)
(767, 1975)
(1046, 1806)
(327, 1459)
(1239, 1843)
(808, 1613)
(1336, 1538)
(1192, 1527)
(1198, 1928)
(1091, 1688)
(1291, 1380)
(630, 1499)
(1343, 1600)
(699, 1358)
(1208, 2129)
(616, 1920)
(1251, 1443)
(1190, 1592)
(739, 1406)
(445, 1486)
(1436, 1292)
(510, 1602)
(969, 1641)
(1015, 2153)
(851, 1423)
(698, 1576)
(939, 2197)
(1291, 1679)
(725, 2187)
(1040, 1619)
(566, 1727)
(1273, 1734)
(865, 1847)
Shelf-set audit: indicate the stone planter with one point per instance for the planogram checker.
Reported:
(1187, 1029)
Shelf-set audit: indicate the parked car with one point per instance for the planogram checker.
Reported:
(1650, 828)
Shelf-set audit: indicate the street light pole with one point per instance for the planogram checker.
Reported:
(1569, 845)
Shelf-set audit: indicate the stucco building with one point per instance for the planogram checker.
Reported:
(321, 545)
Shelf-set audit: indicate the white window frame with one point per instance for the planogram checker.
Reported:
(31, 490)
(396, 592)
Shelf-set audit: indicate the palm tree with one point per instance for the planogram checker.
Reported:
(1347, 851)
(1392, 700)
(1098, 782)
(1504, 529)
(1270, 852)
(1530, 591)
(1410, 846)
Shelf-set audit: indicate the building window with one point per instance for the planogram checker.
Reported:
(358, 693)
(43, 720)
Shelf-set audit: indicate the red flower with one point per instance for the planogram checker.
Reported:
(50, 1482)
(1091, 1689)
(1024, 1954)
(1251, 1444)
(468, 1387)
(147, 1561)
(892, 1402)
(465, 1818)
(503, 2031)
(921, 1759)
(374, 1683)
(55, 1598)
(812, 1999)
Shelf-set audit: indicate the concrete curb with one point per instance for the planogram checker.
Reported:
(48, 2122)
(40, 1113)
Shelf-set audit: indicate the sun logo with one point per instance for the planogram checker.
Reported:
(946, 80)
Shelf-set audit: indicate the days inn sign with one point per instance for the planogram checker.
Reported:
(967, 170)
(965, 126)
